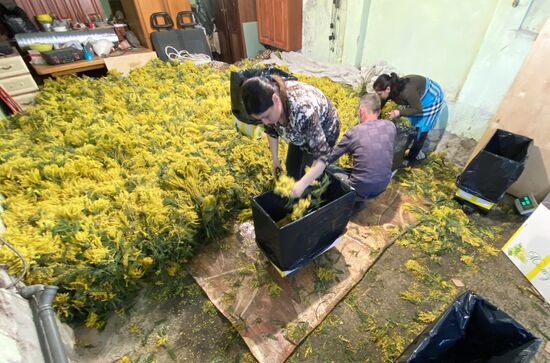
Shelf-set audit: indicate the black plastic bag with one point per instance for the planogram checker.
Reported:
(238, 78)
(472, 330)
(496, 167)
(404, 137)
(5, 48)
(205, 13)
(16, 21)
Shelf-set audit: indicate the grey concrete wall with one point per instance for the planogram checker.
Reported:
(19, 342)
(18, 337)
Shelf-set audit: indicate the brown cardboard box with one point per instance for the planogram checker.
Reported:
(525, 110)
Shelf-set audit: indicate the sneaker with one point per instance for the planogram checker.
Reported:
(421, 156)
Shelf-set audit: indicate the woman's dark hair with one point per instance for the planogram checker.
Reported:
(393, 81)
(257, 93)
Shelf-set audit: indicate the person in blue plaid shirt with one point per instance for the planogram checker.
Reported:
(422, 100)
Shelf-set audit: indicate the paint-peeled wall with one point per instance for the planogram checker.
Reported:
(316, 29)
(473, 48)
(511, 34)
(436, 38)
(353, 37)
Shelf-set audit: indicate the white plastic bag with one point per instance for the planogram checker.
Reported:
(102, 47)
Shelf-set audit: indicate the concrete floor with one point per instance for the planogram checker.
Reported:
(373, 323)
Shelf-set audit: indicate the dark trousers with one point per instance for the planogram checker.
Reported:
(344, 175)
(296, 161)
(417, 146)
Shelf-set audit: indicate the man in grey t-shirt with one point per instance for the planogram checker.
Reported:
(370, 145)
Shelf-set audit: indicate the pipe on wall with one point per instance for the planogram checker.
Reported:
(41, 299)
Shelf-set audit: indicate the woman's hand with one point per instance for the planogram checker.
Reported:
(298, 189)
(277, 167)
(314, 172)
(393, 114)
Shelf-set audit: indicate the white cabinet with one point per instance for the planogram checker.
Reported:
(16, 79)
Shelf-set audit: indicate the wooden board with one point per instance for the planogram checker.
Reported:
(68, 68)
(525, 110)
(86, 65)
(247, 11)
(125, 63)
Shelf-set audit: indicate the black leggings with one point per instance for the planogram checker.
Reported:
(417, 146)
(296, 161)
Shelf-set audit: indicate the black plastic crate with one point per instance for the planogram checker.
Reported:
(296, 243)
(496, 167)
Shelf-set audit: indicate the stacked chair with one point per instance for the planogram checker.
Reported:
(168, 41)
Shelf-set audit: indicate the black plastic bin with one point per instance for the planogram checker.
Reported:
(472, 330)
(238, 78)
(496, 167)
(298, 242)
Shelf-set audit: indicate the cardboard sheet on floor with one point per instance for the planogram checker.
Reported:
(274, 314)
(125, 63)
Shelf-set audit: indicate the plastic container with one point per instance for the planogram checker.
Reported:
(45, 21)
(494, 169)
(295, 244)
(46, 26)
(41, 47)
(253, 131)
(44, 18)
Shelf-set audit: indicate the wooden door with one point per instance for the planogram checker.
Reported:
(234, 29)
(87, 9)
(31, 8)
(175, 6)
(220, 20)
(62, 10)
(247, 10)
(280, 23)
(229, 31)
(293, 24)
(75, 10)
(265, 12)
(145, 9)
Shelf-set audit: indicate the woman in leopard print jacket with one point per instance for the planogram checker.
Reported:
(302, 115)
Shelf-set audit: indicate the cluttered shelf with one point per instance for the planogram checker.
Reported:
(67, 68)
(55, 44)
(144, 54)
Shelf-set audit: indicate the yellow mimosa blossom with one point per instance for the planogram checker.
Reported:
(161, 341)
(110, 179)
(93, 321)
